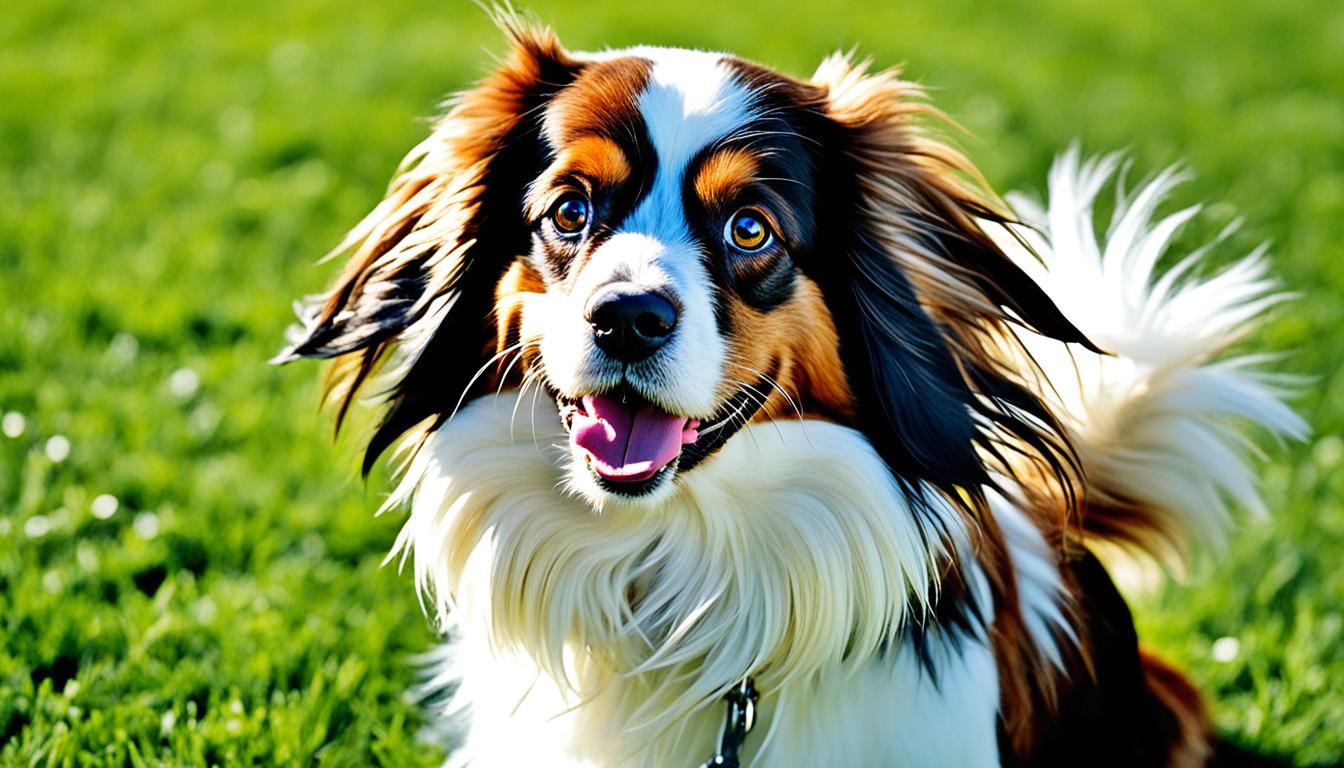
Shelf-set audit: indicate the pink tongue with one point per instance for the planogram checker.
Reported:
(629, 444)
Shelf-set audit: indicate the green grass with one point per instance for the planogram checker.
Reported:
(170, 171)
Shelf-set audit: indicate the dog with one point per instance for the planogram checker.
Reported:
(711, 382)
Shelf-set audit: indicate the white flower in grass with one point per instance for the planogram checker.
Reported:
(146, 525)
(13, 424)
(104, 506)
(184, 382)
(235, 724)
(1226, 649)
(58, 448)
(37, 526)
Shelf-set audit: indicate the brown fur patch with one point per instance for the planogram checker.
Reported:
(604, 100)
(1190, 743)
(796, 346)
(723, 174)
(591, 159)
(511, 295)
(1030, 684)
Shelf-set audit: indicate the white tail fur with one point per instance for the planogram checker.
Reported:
(1161, 425)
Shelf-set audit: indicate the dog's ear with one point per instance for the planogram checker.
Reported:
(922, 296)
(425, 262)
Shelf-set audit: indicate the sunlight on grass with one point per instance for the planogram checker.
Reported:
(189, 569)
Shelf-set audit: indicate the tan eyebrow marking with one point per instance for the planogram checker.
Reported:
(595, 159)
(723, 174)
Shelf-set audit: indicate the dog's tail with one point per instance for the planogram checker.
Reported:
(1163, 424)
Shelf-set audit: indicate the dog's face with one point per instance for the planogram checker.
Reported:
(668, 226)
(671, 244)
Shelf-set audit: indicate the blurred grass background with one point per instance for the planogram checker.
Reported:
(189, 570)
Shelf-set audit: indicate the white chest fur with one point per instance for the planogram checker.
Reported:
(605, 637)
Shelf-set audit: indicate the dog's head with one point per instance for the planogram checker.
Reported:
(673, 243)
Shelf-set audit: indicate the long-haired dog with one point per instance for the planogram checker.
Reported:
(712, 379)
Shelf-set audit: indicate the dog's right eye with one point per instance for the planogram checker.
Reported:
(571, 213)
(748, 231)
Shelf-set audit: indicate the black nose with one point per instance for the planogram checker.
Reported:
(629, 322)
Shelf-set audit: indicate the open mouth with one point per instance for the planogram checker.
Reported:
(631, 445)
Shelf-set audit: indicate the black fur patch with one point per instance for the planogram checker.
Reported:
(1109, 720)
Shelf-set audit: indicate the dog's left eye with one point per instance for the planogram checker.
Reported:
(748, 231)
(571, 213)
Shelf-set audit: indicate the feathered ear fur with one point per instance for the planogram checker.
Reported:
(425, 262)
(922, 297)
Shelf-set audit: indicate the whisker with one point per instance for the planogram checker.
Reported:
(761, 400)
(523, 345)
(522, 386)
(532, 409)
(776, 386)
(802, 421)
(476, 377)
(522, 392)
(725, 421)
(742, 422)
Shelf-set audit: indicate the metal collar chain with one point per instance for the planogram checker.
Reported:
(741, 716)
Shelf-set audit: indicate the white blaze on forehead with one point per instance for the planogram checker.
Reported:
(691, 101)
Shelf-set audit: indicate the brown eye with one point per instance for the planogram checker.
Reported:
(747, 230)
(571, 213)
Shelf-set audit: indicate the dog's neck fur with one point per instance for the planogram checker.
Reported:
(791, 555)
